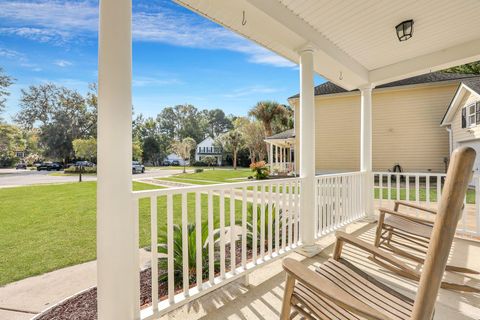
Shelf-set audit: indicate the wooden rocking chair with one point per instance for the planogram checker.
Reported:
(339, 290)
(414, 234)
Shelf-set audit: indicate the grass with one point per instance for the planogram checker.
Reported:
(211, 176)
(422, 194)
(48, 227)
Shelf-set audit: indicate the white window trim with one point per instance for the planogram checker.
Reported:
(469, 114)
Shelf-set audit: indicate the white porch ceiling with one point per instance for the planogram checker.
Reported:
(357, 38)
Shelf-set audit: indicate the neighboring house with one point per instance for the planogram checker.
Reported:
(407, 123)
(175, 158)
(462, 118)
(281, 152)
(207, 148)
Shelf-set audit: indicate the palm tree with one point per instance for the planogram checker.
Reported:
(266, 112)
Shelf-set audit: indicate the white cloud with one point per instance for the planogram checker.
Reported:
(60, 22)
(63, 63)
(10, 54)
(247, 91)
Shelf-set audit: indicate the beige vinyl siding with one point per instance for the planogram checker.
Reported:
(464, 134)
(406, 129)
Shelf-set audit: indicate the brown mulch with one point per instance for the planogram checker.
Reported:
(84, 305)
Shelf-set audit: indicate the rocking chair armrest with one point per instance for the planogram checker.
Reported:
(405, 216)
(343, 237)
(414, 206)
(327, 289)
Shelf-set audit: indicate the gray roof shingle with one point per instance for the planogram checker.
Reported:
(473, 83)
(287, 134)
(331, 88)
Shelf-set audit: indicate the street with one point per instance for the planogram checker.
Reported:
(13, 178)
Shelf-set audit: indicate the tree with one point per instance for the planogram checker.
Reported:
(180, 122)
(266, 112)
(62, 115)
(469, 68)
(11, 140)
(216, 122)
(137, 150)
(232, 142)
(210, 161)
(5, 82)
(184, 149)
(254, 136)
(85, 148)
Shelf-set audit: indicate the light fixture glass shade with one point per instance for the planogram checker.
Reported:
(404, 30)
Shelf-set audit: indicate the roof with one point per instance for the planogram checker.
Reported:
(287, 134)
(472, 84)
(433, 77)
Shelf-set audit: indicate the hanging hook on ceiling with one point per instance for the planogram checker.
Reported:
(244, 21)
(340, 77)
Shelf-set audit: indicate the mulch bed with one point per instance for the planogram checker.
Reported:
(84, 305)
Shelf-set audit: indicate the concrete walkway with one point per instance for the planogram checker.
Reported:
(24, 299)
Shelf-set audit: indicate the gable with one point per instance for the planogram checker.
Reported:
(207, 142)
(459, 100)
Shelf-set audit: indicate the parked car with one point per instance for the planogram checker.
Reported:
(50, 166)
(84, 164)
(137, 167)
(21, 165)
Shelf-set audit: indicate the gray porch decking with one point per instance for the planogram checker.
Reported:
(263, 297)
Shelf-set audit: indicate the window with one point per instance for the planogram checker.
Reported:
(471, 115)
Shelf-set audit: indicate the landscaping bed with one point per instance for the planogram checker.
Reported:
(84, 305)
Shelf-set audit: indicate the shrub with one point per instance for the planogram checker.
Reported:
(192, 254)
(74, 169)
(199, 164)
(260, 170)
(198, 170)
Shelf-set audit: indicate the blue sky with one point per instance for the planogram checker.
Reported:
(178, 56)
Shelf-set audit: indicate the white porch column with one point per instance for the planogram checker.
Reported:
(366, 150)
(270, 156)
(307, 153)
(115, 220)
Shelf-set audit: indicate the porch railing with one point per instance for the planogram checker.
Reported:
(339, 201)
(234, 228)
(426, 189)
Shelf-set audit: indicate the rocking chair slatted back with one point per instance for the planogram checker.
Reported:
(449, 213)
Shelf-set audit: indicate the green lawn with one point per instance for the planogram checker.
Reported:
(211, 176)
(47, 227)
(422, 194)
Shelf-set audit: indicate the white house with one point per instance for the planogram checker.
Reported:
(462, 119)
(207, 148)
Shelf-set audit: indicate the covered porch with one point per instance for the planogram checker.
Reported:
(281, 151)
(251, 224)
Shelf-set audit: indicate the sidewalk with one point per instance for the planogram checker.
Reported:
(24, 299)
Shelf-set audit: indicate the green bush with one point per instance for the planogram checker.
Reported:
(200, 164)
(74, 169)
(198, 170)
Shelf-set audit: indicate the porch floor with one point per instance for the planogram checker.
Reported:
(263, 297)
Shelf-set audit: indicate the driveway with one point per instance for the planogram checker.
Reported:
(15, 178)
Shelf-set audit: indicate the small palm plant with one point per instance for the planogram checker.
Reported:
(250, 227)
(192, 254)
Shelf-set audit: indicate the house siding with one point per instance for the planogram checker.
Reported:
(460, 134)
(406, 129)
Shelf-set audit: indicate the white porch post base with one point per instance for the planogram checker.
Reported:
(309, 250)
